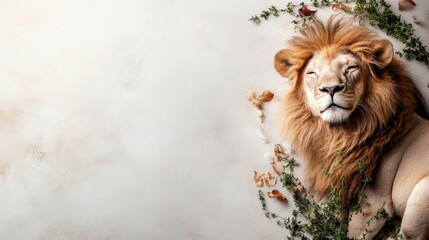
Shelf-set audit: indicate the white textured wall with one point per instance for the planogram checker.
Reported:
(128, 119)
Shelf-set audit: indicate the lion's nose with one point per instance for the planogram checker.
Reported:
(332, 89)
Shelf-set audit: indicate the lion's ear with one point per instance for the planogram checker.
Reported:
(283, 63)
(382, 52)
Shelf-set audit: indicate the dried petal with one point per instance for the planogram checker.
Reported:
(415, 20)
(298, 188)
(261, 115)
(304, 12)
(266, 96)
(268, 179)
(257, 102)
(262, 134)
(269, 158)
(278, 148)
(258, 179)
(342, 7)
(271, 181)
(276, 169)
(406, 4)
(251, 97)
(276, 194)
(266, 174)
(279, 153)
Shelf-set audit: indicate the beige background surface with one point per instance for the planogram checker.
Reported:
(128, 119)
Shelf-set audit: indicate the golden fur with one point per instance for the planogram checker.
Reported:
(389, 101)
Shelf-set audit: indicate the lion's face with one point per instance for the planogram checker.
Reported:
(334, 71)
(333, 87)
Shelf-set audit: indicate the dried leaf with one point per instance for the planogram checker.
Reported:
(305, 12)
(277, 195)
(258, 179)
(406, 4)
(342, 7)
(266, 96)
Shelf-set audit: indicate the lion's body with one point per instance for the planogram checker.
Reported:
(353, 102)
(400, 185)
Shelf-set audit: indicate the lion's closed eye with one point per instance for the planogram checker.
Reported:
(352, 68)
(311, 74)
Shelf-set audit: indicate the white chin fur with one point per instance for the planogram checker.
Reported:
(335, 115)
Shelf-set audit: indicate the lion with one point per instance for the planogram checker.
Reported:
(352, 101)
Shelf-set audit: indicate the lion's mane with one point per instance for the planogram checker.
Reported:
(389, 101)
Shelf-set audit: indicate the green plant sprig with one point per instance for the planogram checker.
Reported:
(377, 12)
(328, 219)
(289, 9)
(309, 218)
(274, 11)
(268, 214)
